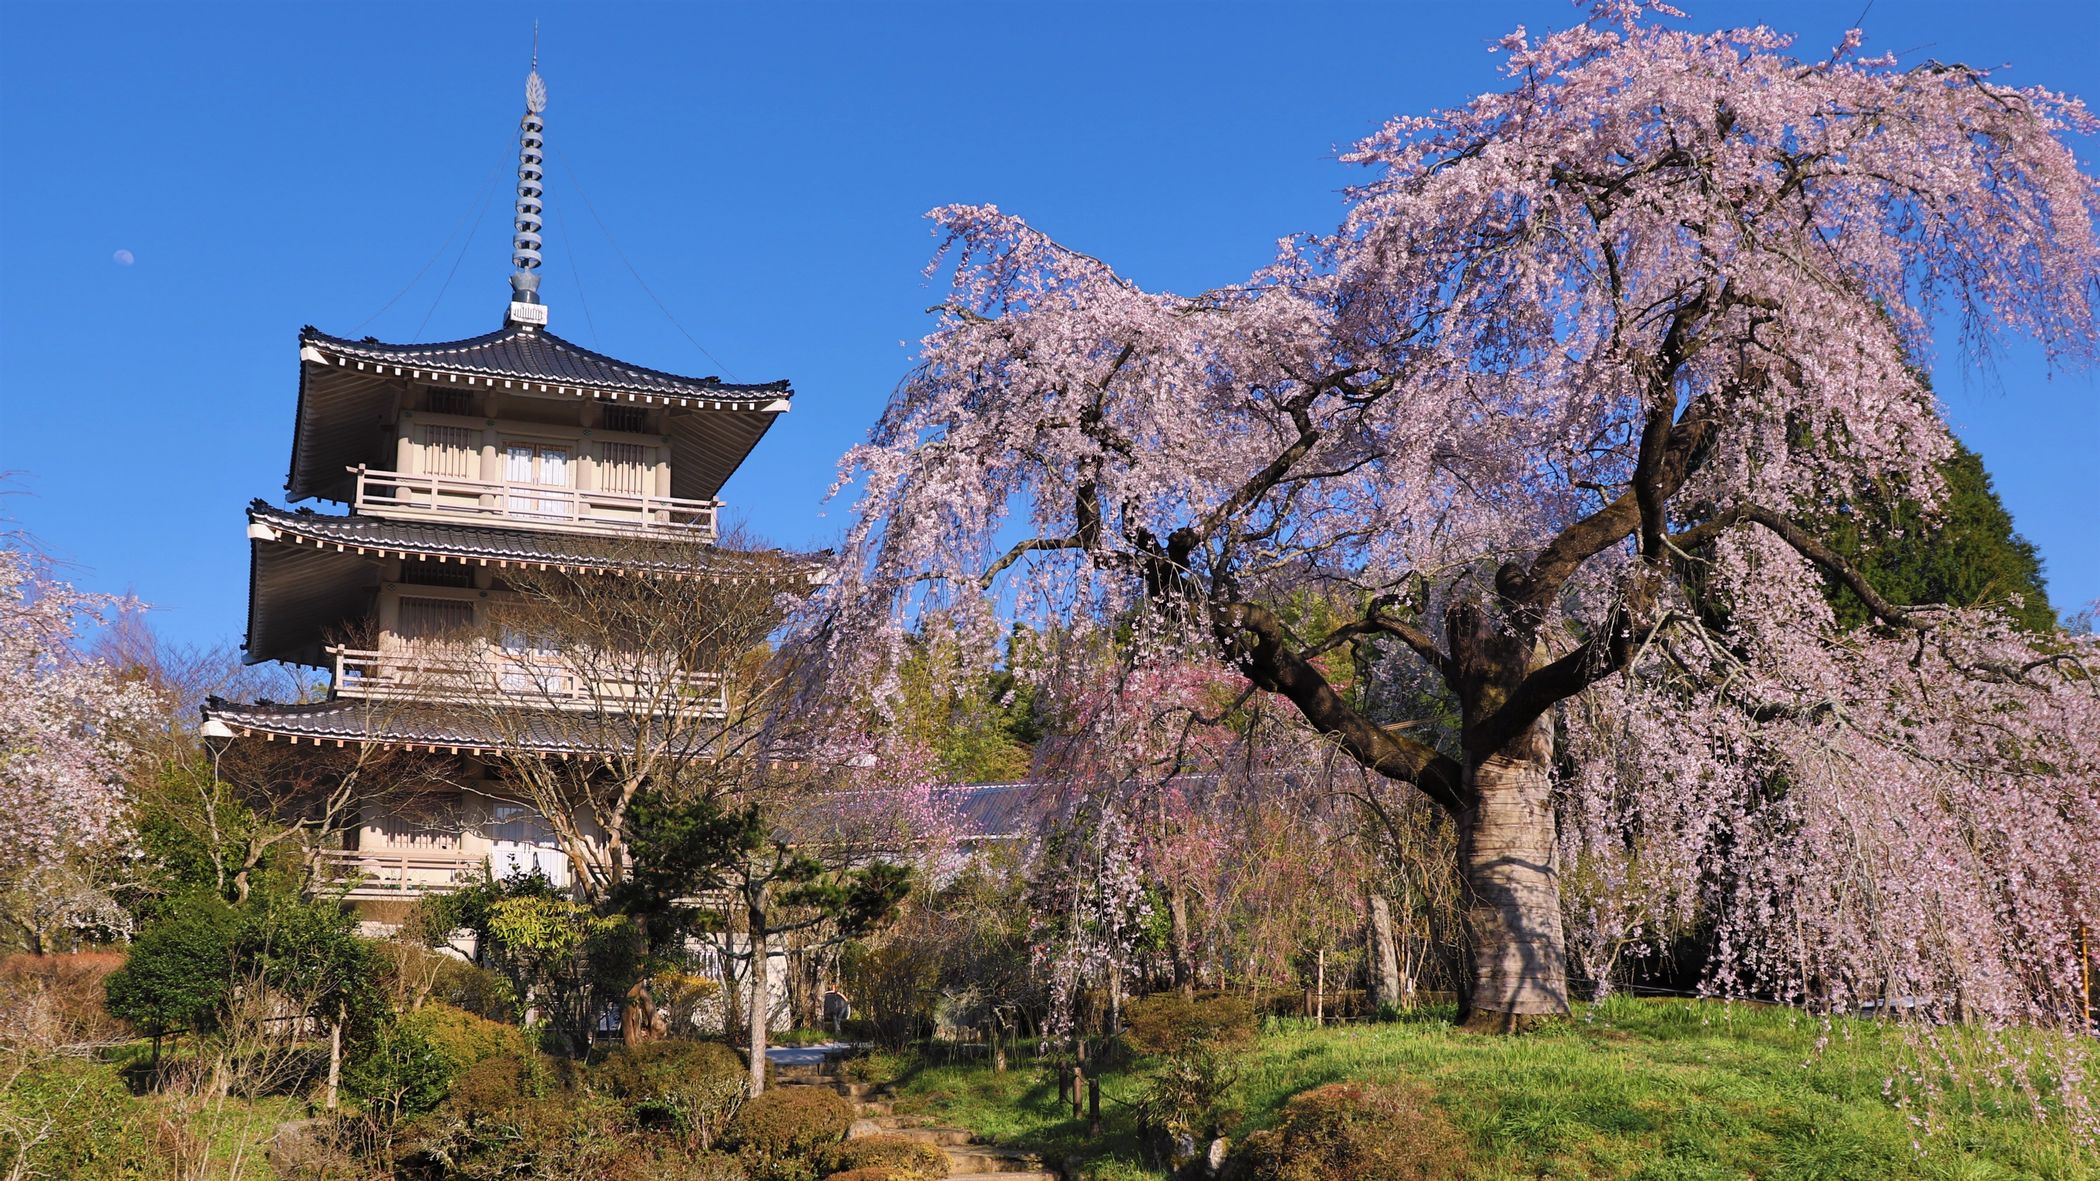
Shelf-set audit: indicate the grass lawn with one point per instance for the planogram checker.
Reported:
(1653, 1090)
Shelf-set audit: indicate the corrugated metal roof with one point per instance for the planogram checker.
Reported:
(534, 354)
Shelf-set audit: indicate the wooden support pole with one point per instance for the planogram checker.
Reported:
(1078, 1091)
(1093, 1107)
(2085, 974)
(1320, 989)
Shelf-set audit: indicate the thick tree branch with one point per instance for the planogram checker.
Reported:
(1255, 639)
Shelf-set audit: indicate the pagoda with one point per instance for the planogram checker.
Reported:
(461, 465)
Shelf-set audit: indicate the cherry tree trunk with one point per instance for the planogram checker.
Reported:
(1512, 886)
(1178, 939)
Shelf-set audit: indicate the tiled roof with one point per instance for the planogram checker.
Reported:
(534, 354)
(381, 535)
(992, 811)
(344, 720)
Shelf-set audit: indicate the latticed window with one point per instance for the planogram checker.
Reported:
(634, 419)
(623, 467)
(432, 619)
(444, 401)
(452, 451)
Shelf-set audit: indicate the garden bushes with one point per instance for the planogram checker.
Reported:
(1392, 1131)
(692, 1088)
(1171, 1023)
(1188, 1101)
(892, 1158)
(464, 1039)
(779, 1132)
(71, 1118)
(58, 999)
(493, 1086)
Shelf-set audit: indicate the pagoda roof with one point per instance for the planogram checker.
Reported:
(348, 388)
(543, 549)
(311, 573)
(525, 353)
(343, 720)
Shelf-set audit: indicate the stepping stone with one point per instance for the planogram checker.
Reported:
(981, 1160)
(865, 1127)
(938, 1137)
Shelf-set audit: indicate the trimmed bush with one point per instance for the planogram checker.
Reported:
(179, 974)
(653, 1160)
(493, 1086)
(566, 1134)
(894, 1157)
(693, 1088)
(465, 1039)
(872, 1173)
(790, 1123)
(1170, 1023)
(1359, 1130)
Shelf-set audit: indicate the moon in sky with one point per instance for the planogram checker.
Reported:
(124, 258)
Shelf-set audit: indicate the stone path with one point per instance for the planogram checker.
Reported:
(968, 1160)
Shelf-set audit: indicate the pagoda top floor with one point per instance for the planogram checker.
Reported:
(519, 428)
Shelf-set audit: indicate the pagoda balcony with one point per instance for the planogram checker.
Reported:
(391, 873)
(539, 506)
(473, 674)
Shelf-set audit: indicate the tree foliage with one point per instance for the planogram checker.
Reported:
(1964, 553)
(67, 721)
(181, 970)
(1562, 413)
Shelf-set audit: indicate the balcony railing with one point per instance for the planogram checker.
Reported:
(474, 673)
(389, 873)
(544, 506)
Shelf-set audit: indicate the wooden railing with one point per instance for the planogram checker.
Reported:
(383, 493)
(477, 673)
(391, 873)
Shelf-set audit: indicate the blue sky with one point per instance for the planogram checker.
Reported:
(763, 167)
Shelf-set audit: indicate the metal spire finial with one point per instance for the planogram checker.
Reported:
(525, 305)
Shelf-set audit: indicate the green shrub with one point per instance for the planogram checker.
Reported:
(693, 1088)
(464, 1039)
(64, 1117)
(1170, 1023)
(563, 1134)
(179, 974)
(873, 1173)
(1358, 1130)
(895, 1157)
(1188, 1101)
(493, 1086)
(789, 1124)
(398, 1072)
(650, 1159)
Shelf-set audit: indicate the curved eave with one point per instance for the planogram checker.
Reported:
(299, 597)
(477, 545)
(343, 722)
(347, 398)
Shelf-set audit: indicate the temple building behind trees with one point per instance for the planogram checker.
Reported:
(466, 469)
